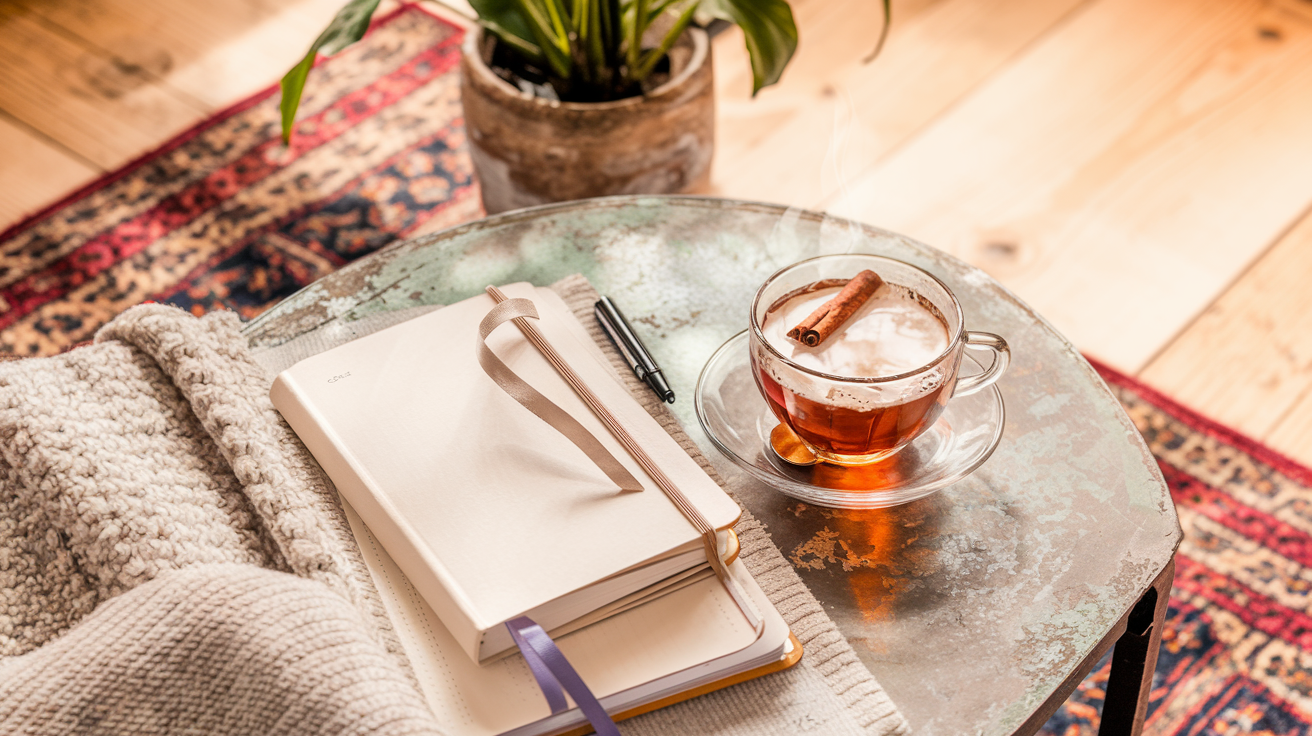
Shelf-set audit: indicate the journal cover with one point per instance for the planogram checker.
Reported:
(488, 510)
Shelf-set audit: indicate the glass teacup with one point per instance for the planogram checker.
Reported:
(861, 419)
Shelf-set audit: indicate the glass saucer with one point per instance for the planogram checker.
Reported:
(738, 421)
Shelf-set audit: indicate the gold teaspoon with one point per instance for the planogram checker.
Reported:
(789, 447)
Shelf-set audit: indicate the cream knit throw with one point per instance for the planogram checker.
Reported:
(214, 649)
(152, 508)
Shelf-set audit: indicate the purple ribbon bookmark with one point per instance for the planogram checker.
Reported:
(552, 671)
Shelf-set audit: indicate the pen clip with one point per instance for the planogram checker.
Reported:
(621, 344)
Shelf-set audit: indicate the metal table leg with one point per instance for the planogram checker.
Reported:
(1134, 660)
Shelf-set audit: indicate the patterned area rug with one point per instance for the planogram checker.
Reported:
(224, 217)
(1236, 653)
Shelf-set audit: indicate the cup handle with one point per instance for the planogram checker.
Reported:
(1001, 358)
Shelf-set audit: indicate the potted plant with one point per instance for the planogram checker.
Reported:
(566, 99)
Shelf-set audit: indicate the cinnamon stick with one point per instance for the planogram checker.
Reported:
(803, 290)
(831, 315)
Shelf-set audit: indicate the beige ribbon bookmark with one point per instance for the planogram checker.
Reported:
(520, 311)
(546, 409)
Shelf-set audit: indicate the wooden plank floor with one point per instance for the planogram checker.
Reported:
(1138, 170)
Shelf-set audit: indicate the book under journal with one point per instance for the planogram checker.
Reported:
(472, 511)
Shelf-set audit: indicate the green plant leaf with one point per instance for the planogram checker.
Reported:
(505, 15)
(503, 19)
(347, 27)
(769, 30)
(883, 32)
(527, 49)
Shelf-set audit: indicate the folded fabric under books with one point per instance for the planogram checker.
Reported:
(472, 511)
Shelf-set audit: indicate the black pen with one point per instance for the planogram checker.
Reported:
(620, 333)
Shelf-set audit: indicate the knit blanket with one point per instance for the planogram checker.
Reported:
(172, 560)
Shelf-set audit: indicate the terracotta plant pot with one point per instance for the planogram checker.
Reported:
(530, 151)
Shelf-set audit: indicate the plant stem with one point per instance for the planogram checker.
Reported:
(612, 34)
(651, 58)
(581, 38)
(635, 37)
(596, 49)
(578, 14)
(555, 11)
(531, 51)
(554, 47)
(659, 8)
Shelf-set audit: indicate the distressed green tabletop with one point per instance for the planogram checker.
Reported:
(970, 607)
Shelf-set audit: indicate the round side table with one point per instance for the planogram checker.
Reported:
(980, 608)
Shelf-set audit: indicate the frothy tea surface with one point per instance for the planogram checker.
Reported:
(890, 334)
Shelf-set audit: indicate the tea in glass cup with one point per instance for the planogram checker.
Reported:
(858, 354)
